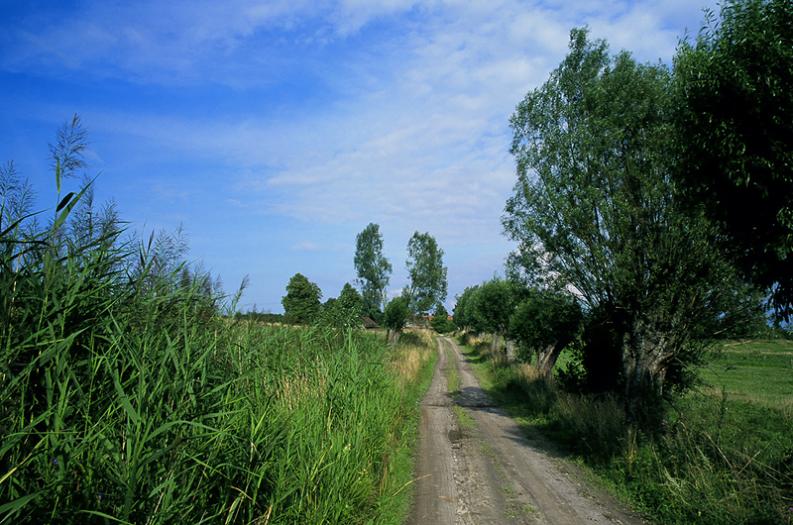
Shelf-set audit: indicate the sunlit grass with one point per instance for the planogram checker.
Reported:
(755, 371)
(127, 397)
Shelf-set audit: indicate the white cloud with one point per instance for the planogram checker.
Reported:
(428, 145)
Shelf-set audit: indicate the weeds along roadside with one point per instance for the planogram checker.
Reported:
(720, 460)
(126, 397)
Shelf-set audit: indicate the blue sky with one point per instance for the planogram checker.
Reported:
(275, 131)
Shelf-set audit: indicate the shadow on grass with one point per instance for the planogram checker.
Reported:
(558, 423)
(475, 358)
(508, 400)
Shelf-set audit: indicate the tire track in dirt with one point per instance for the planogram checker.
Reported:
(475, 465)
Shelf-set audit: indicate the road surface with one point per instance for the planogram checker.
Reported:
(476, 466)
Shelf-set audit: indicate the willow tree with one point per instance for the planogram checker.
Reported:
(734, 117)
(594, 153)
(301, 302)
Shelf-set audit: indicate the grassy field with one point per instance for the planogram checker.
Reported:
(727, 453)
(293, 426)
(755, 371)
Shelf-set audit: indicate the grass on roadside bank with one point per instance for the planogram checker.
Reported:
(727, 454)
(413, 359)
(239, 424)
(127, 397)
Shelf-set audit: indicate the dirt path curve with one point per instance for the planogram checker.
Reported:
(475, 465)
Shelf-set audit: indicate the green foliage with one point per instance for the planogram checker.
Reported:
(396, 313)
(427, 273)
(344, 312)
(595, 154)
(734, 120)
(463, 308)
(262, 317)
(491, 306)
(301, 302)
(440, 320)
(373, 269)
(545, 322)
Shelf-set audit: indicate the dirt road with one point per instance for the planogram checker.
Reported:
(475, 466)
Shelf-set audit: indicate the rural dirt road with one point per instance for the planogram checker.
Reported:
(485, 471)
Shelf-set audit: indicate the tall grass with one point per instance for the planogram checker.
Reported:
(126, 397)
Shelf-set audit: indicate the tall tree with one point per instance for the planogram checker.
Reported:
(491, 306)
(734, 118)
(594, 153)
(440, 320)
(544, 323)
(301, 302)
(372, 267)
(395, 317)
(462, 308)
(427, 273)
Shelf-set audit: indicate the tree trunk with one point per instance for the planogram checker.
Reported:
(644, 356)
(494, 344)
(547, 357)
(511, 349)
(393, 336)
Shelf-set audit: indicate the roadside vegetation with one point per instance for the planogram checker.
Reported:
(724, 455)
(130, 394)
(626, 326)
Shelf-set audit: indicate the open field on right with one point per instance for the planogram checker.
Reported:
(755, 371)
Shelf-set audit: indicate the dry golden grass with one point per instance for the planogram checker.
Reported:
(293, 391)
(408, 359)
(528, 373)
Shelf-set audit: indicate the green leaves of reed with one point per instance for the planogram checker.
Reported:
(126, 397)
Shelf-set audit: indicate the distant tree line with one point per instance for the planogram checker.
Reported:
(368, 303)
(262, 317)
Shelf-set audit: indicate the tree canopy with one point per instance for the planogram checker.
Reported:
(544, 323)
(345, 311)
(491, 306)
(595, 153)
(440, 320)
(372, 267)
(463, 309)
(734, 122)
(396, 314)
(427, 273)
(301, 302)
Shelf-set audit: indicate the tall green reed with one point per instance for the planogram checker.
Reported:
(126, 396)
